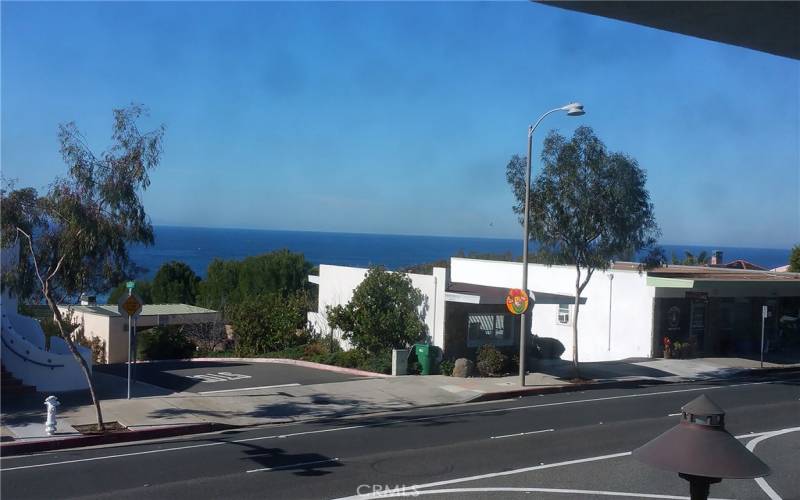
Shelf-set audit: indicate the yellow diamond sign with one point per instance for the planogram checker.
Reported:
(130, 305)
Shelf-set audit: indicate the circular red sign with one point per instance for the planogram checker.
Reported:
(517, 301)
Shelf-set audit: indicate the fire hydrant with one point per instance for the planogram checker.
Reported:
(51, 403)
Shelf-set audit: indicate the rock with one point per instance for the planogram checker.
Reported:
(463, 368)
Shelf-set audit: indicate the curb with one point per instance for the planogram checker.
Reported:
(284, 361)
(619, 384)
(555, 389)
(20, 448)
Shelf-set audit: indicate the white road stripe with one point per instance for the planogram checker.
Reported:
(292, 466)
(410, 490)
(282, 436)
(250, 388)
(771, 493)
(394, 422)
(92, 459)
(521, 434)
(415, 489)
(536, 490)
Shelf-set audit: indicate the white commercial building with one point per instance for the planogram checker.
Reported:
(625, 312)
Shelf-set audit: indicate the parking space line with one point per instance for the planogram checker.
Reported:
(521, 434)
(250, 388)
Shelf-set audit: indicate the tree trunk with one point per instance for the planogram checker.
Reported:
(575, 332)
(82, 362)
(575, 322)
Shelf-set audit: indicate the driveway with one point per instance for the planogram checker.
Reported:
(215, 377)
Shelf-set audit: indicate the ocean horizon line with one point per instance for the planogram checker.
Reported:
(711, 247)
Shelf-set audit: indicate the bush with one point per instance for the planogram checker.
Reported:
(383, 314)
(269, 323)
(491, 362)
(446, 367)
(163, 343)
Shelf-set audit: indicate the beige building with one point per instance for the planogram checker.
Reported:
(105, 322)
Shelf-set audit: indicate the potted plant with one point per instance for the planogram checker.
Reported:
(667, 348)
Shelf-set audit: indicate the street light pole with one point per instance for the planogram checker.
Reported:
(572, 109)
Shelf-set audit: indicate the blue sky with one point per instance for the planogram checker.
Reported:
(400, 118)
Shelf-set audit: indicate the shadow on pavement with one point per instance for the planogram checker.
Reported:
(597, 370)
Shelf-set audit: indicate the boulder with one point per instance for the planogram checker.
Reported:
(463, 368)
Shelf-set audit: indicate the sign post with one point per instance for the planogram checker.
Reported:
(130, 307)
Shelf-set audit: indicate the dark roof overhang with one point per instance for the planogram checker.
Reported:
(768, 26)
(482, 294)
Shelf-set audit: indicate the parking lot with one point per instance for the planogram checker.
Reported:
(214, 377)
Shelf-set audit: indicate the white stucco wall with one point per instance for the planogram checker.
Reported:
(630, 298)
(23, 347)
(337, 284)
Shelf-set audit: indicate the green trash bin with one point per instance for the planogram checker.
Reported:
(423, 352)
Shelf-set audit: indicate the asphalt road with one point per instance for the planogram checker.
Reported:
(213, 376)
(555, 446)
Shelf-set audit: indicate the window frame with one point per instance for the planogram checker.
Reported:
(568, 315)
(497, 319)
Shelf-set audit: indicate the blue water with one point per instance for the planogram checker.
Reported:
(198, 246)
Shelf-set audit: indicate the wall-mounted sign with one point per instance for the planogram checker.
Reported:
(517, 301)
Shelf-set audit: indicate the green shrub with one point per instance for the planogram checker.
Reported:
(491, 362)
(446, 367)
(269, 323)
(163, 343)
(383, 314)
(378, 363)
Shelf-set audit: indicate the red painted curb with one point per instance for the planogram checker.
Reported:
(19, 448)
(285, 361)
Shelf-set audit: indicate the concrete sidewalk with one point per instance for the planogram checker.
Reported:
(153, 407)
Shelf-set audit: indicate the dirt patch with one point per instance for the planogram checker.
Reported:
(109, 427)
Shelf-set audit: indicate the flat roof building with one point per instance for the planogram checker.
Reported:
(104, 322)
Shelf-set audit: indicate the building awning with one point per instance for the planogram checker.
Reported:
(468, 293)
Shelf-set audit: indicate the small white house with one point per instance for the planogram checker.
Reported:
(105, 322)
(625, 312)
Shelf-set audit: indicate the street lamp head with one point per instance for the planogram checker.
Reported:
(574, 109)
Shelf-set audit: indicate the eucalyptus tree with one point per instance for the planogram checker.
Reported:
(74, 237)
(588, 207)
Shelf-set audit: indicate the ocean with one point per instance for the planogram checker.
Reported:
(197, 247)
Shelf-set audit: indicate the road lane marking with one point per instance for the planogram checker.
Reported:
(293, 434)
(771, 493)
(250, 388)
(122, 455)
(293, 466)
(536, 490)
(674, 414)
(415, 489)
(521, 434)
(394, 422)
(410, 490)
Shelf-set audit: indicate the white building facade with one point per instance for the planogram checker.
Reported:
(625, 311)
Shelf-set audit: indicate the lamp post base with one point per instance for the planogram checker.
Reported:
(699, 486)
